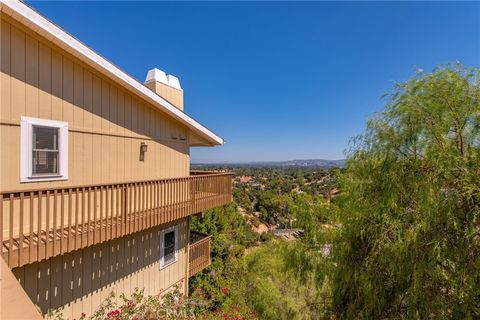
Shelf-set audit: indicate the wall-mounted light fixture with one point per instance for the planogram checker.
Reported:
(143, 149)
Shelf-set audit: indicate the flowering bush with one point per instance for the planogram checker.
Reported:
(233, 313)
(170, 306)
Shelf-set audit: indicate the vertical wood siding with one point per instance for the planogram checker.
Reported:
(79, 281)
(106, 123)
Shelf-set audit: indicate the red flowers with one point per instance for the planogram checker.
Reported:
(113, 313)
(224, 290)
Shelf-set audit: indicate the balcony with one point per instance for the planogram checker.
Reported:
(39, 224)
(199, 252)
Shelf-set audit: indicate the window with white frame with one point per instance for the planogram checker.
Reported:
(168, 246)
(43, 150)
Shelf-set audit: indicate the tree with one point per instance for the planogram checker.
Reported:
(409, 242)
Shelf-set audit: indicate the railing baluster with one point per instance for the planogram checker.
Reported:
(147, 206)
(76, 225)
(47, 224)
(128, 202)
(168, 196)
(55, 208)
(62, 220)
(125, 206)
(180, 199)
(186, 197)
(116, 209)
(142, 194)
(161, 204)
(155, 195)
(20, 242)
(128, 208)
(164, 201)
(153, 204)
(195, 202)
(30, 238)
(89, 240)
(174, 202)
(107, 207)
(135, 210)
(39, 226)
(128, 215)
(95, 226)
(144, 205)
(112, 205)
(140, 206)
(119, 216)
(10, 231)
(102, 233)
(175, 199)
(69, 230)
(82, 223)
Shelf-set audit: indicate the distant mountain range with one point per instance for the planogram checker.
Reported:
(289, 163)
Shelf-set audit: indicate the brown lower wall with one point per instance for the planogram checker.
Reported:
(79, 281)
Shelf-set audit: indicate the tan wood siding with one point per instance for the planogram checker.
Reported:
(79, 281)
(106, 123)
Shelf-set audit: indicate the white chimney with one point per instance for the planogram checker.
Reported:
(166, 86)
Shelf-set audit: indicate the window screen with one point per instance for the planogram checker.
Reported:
(45, 151)
(169, 247)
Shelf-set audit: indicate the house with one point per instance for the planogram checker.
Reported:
(95, 191)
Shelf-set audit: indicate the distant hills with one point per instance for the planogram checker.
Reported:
(289, 163)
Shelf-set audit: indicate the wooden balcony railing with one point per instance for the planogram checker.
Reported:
(39, 224)
(199, 252)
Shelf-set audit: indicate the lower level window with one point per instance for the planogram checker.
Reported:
(168, 246)
(44, 150)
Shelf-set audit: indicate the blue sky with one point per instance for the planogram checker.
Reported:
(277, 81)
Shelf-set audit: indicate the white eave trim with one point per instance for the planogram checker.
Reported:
(26, 15)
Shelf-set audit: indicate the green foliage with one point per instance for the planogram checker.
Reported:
(231, 234)
(228, 229)
(409, 242)
(267, 278)
(241, 197)
(264, 283)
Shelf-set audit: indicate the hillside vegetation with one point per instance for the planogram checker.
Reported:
(394, 234)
